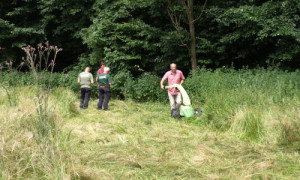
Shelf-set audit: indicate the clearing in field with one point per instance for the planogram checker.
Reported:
(136, 141)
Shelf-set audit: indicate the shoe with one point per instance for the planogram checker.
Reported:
(84, 108)
(175, 113)
(99, 108)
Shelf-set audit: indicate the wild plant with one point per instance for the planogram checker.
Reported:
(38, 60)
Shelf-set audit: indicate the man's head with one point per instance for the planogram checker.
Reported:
(106, 70)
(173, 67)
(103, 64)
(87, 69)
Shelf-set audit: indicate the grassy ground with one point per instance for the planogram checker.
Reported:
(140, 141)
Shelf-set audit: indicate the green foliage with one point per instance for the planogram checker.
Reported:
(25, 22)
(16, 78)
(130, 35)
(121, 82)
(146, 88)
(268, 33)
(138, 36)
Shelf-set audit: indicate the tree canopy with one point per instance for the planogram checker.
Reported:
(138, 36)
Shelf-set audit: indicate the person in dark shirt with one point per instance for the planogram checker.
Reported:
(104, 82)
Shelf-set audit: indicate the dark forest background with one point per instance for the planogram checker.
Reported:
(138, 36)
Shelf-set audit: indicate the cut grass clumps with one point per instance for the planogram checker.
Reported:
(289, 123)
(290, 132)
(282, 124)
(248, 125)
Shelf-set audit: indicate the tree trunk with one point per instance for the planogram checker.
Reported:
(192, 45)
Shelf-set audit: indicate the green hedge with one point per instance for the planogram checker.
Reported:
(201, 86)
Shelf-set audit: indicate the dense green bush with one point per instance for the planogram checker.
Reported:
(121, 81)
(146, 88)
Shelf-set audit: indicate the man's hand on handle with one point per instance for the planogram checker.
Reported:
(162, 84)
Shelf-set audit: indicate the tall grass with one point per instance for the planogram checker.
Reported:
(259, 105)
(23, 155)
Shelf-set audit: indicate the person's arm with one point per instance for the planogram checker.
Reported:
(97, 76)
(182, 78)
(78, 80)
(182, 81)
(97, 80)
(163, 80)
(162, 83)
(109, 80)
(92, 79)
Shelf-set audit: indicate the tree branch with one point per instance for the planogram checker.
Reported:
(176, 23)
(184, 3)
(202, 11)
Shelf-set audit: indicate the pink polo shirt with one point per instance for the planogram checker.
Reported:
(173, 79)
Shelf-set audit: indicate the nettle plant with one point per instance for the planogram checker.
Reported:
(42, 59)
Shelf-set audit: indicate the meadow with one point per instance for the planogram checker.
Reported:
(249, 129)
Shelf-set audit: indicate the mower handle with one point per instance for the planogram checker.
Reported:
(170, 87)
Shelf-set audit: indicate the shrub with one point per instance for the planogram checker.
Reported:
(122, 83)
(147, 88)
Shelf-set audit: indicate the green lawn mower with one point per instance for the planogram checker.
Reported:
(185, 109)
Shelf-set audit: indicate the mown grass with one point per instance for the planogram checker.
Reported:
(140, 140)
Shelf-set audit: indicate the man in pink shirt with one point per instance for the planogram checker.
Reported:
(174, 77)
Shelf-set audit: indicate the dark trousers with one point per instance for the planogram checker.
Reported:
(104, 95)
(85, 97)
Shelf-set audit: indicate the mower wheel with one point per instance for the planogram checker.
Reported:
(198, 112)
